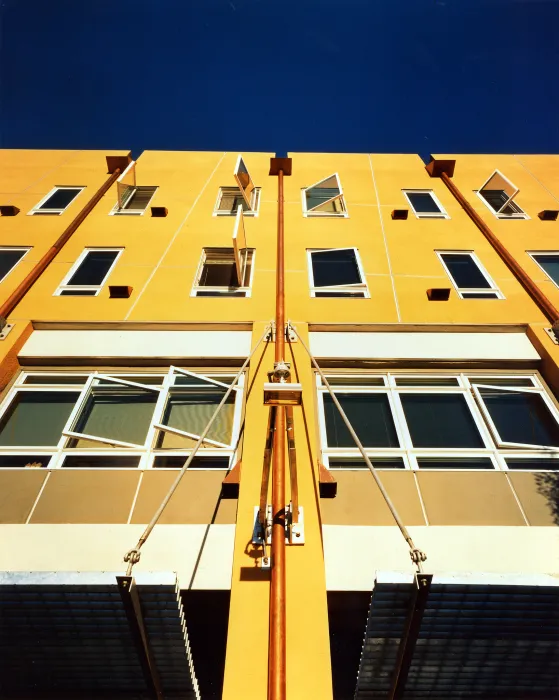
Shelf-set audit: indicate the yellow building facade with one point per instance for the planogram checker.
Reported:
(115, 357)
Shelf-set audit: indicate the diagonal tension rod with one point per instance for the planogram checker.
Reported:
(417, 556)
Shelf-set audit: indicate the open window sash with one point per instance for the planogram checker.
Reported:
(498, 182)
(486, 412)
(87, 391)
(244, 181)
(330, 183)
(362, 284)
(159, 425)
(126, 185)
(240, 246)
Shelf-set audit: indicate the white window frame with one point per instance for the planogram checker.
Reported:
(426, 215)
(36, 209)
(17, 248)
(487, 291)
(255, 202)
(117, 211)
(196, 287)
(510, 201)
(344, 214)
(544, 253)
(113, 448)
(497, 453)
(92, 287)
(360, 287)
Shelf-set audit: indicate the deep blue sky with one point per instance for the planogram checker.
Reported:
(299, 75)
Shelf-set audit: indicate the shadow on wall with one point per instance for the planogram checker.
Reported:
(548, 487)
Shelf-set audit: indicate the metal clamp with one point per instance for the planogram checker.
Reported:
(295, 532)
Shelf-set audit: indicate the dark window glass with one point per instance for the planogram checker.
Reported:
(370, 416)
(60, 199)
(464, 271)
(378, 463)
(335, 267)
(94, 267)
(320, 195)
(100, 462)
(9, 258)
(521, 417)
(36, 417)
(55, 379)
(449, 463)
(222, 274)
(177, 462)
(77, 293)
(550, 264)
(140, 199)
(423, 203)
(340, 294)
(221, 294)
(231, 198)
(496, 199)
(532, 463)
(191, 410)
(479, 295)
(426, 381)
(440, 420)
(502, 381)
(20, 461)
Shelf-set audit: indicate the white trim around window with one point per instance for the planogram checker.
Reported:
(228, 256)
(236, 192)
(543, 254)
(491, 292)
(88, 290)
(358, 290)
(315, 211)
(118, 211)
(37, 208)
(6, 248)
(442, 214)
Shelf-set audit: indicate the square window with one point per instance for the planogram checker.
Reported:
(218, 273)
(498, 194)
(9, 258)
(36, 418)
(229, 199)
(90, 272)
(324, 198)
(336, 272)
(369, 414)
(57, 200)
(440, 421)
(131, 197)
(549, 263)
(425, 205)
(468, 277)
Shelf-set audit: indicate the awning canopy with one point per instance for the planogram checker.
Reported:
(69, 635)
(481, 637)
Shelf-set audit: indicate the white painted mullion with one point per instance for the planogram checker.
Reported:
(80, 403)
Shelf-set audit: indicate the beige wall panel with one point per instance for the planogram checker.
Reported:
(539, 495)
(360, 502)
(196, 500)
(468, 498)
(87, 497)
(18, 491)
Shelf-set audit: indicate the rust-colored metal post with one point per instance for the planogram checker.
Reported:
(277, 645)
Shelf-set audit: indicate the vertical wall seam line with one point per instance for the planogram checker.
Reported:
(128, 521)
(173, 239)
(34, 506)
(519, 504)
(420, 496)
(385, 242)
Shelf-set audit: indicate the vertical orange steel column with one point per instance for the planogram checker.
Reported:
(277, 650)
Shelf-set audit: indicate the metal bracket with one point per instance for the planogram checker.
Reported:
(549, 332)
(271, 335)
(290, 334)
(5, 330)
(295, 531)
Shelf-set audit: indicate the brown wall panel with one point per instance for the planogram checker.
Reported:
(18, 492)
(194, 501)
(87, 497)
(360, 502)
(469, 498)
(539, 496)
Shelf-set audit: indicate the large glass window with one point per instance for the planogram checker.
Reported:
(549, 263)
(425, 205)
(123, 420)
(468, 276)
(57, 200)
(91, 270)
(440, 421)
(336, 272)
(324, 198)
(218, 274)
(498, 194)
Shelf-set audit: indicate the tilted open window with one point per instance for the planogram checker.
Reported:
(89, 273)
(57, 200)
(244, 195)
(131, 197)
(468, 276)
(425, 204)
(324, 198)
(9, 258)
(336, 272)
(498, 194)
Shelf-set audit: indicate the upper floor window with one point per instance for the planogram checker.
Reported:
(498, 195)
(440, 421)
(468, 276)
(336, 272)
(123, 420)
(244, 195)
(9, 258)
(222, 273)
(549, 263)
(57, 200)
(132, 198)
(425, 204)
(325, 198)
(89, 273)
